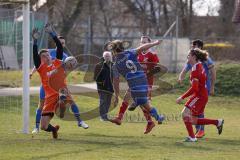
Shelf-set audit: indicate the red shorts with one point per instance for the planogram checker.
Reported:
(197, 105)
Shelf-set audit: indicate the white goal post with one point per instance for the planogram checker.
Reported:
(26, 67)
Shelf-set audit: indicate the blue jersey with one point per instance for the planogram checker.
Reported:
(206, 65)
(128, 66)
(53, 54)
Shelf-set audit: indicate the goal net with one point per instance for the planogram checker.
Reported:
(14, 69)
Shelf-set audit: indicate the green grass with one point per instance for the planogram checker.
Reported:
(106, 141)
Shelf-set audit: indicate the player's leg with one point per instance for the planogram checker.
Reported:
(123, 108)
(150, 123)
(205, 121)
(39, 110)
(200, 128)
(187, 119)
(76, 113)
(46, 126)
(153, 112)
(147, 114)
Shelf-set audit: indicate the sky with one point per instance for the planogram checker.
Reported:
(204, 7)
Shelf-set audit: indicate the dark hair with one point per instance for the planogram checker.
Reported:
(201, 55)
(198, 42)
(61, 37)
(42, 51)
(149, 39)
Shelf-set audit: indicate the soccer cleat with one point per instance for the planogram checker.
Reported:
(190, 139)
(149, 127)
(83, 125)
(116, 120)
(161, 119)
(55, 133)
(132, 107)
(35, 131)
(220, 126)
(200, 134)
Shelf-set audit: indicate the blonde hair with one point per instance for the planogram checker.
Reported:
(116, 46)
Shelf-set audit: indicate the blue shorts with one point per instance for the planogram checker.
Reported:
(140, 94)
(42, 93)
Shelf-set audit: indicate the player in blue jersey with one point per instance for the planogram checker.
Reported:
(42, 92)
(127, 65)
(211, 77)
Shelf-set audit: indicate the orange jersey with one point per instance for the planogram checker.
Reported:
(46, 71)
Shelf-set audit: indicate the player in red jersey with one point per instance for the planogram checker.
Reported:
(199, 96)
(148, 61)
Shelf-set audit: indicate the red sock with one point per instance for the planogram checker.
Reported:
(122, 110)
(205, 121)
(189, 127)
(147, 116)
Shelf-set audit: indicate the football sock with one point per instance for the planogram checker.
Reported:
(75, 110)
(50, 128)
(122, 110)
(38, 117)
(200, 127)
(147, 116)
(154, 114)
(188, 126)
(205, 121)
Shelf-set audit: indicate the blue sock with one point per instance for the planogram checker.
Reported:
(75, 110)
(38, 117)
(200, 127)
(154, 114)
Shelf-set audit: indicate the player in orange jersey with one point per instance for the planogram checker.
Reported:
(46, 67)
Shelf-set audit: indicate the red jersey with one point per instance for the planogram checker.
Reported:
(148, 61)
(198, 82)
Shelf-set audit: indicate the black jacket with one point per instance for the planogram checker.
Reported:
(103, 76)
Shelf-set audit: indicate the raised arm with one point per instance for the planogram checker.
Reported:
(36, 57)
(146, 46)
(59, 51)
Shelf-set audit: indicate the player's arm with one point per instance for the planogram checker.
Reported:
(212, 70)
(36, 57)
(193, 89)
(59, 50)
(32, 72)
(146, 46)
(183, 73)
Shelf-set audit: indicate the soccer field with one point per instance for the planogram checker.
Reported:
(104, 140)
